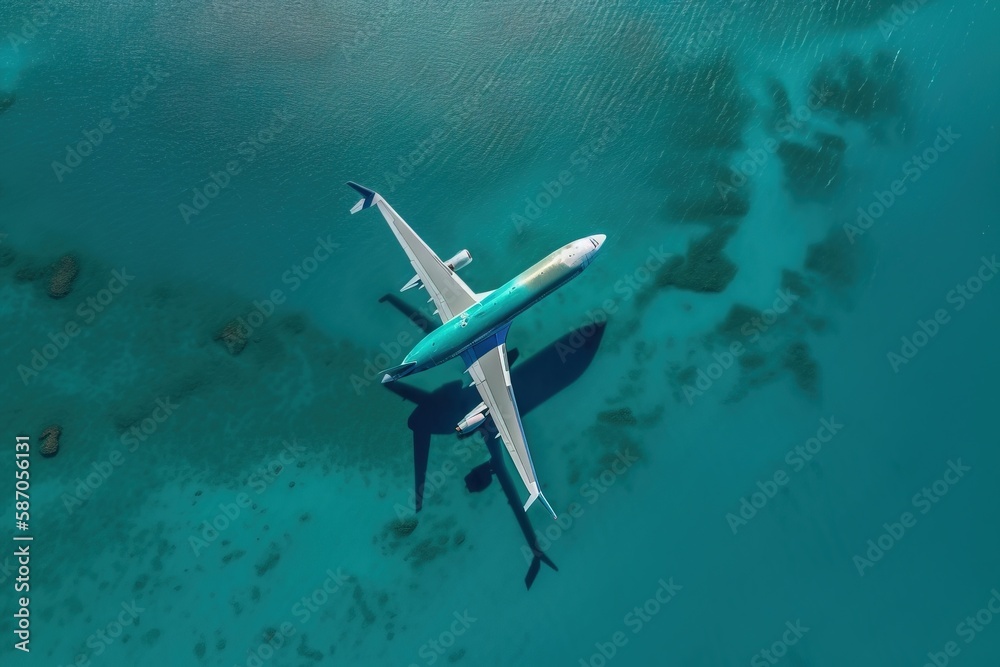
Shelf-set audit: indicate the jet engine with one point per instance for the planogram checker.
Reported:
(473, 420)
(461, 259)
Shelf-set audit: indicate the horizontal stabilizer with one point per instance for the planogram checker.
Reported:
(396, 372)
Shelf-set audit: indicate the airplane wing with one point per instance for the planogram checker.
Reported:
(449, 293)
(491, 376)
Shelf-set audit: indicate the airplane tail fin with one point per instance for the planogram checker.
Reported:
(368, 197)
(396, 372)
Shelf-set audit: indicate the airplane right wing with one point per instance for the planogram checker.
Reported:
(449, 293)
(491, 376)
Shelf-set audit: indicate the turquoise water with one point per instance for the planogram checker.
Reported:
(789, 191)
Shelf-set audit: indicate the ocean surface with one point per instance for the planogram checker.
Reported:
(766, 413)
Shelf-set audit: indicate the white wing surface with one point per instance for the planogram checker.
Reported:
(491, 377)
(449, 293)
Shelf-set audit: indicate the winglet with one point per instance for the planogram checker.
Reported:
(368, 197)
(538, 495)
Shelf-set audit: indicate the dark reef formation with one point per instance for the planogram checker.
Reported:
(803, 367)
(234, 336)
(834, 258)
(50, 440)
(620, 416)
(713, 108)
(698, 197)
(863, 90)
(812, 172)
(62, 275)
(705, 268)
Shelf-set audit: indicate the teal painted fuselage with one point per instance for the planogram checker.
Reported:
(495, 311)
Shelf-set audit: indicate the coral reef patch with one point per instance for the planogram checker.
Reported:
(62, 275)
(50, 440)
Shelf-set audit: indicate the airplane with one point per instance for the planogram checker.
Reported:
(474, 326)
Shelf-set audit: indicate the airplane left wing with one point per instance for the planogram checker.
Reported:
(450, 294)
(491, 376)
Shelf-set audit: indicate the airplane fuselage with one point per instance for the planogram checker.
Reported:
(497, 310)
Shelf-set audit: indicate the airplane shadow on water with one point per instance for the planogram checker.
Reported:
(535, 380)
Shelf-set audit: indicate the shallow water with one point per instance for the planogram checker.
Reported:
(746, 422)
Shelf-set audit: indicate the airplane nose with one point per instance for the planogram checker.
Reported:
(598, 240)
